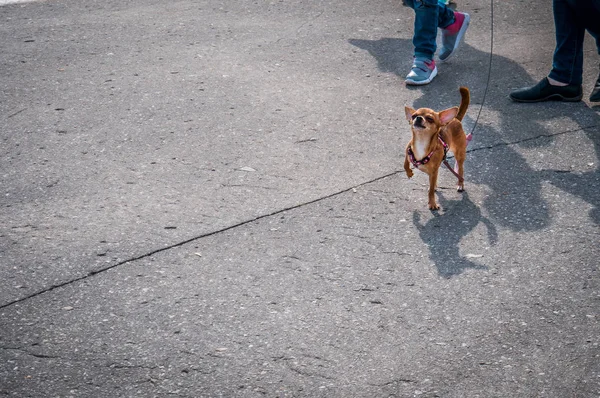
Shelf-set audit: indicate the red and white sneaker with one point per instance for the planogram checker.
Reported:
(452, 35)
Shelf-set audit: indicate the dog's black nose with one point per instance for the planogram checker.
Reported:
(418, 121)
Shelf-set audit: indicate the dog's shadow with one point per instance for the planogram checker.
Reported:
(502, 167)
(506, 189)
(443, 234)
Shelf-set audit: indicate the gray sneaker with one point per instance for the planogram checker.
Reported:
(422, 72)
(452, 35)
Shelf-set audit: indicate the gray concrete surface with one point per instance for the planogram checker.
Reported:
(203, 199)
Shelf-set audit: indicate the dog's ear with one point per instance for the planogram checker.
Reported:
(447, 115)
(409, 112)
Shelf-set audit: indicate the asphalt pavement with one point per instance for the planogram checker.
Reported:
(206, 199)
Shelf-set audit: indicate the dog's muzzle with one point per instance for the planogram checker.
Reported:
(418, 122)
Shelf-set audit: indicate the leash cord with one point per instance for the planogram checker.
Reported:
(487, 85)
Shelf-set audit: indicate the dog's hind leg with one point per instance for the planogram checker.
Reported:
(460, 157)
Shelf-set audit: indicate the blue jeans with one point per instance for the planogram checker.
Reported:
(429, 16)
(571, 19)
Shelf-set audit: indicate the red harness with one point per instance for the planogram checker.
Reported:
(426, 159)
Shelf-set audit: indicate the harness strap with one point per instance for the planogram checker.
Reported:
(426, 159)
(415, 162)
(444, 145)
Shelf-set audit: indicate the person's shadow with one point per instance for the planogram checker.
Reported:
(576, 181)
(443, 234)
(515, 200)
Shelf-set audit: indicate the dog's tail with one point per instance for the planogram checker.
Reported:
(465, 99)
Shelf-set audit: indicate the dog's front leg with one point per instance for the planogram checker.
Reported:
(409, 172)
(432, 185)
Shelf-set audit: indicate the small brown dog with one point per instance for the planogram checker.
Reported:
(433, 133)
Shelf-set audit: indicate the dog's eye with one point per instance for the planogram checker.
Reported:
(413, 117)
(429, 119)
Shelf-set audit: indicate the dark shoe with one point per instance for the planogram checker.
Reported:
(595, 96)
(544, 91)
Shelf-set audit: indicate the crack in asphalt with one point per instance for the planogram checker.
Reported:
(537, 137)
(24, 351)
(193, 239)
(400, 380)
(267, 215)
(112, 365)
(274, 213)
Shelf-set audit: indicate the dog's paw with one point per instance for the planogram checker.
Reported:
(409, 173)
(460, 188)
(434, 206)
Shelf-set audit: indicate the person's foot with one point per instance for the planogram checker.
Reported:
(452, 35)
(595, 96)
(422, 72)
(544, 91)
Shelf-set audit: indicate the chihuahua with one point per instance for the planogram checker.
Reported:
(433, 134)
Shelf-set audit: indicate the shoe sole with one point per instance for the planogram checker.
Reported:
(422, 82)
(553, 97)
(459, 38)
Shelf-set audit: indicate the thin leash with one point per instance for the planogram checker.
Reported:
(452, 169)
(487, 85)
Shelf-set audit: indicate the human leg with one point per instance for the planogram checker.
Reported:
(564, 81)
(567, 62)
(429, 15)
(589, 11)
(595, 95)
